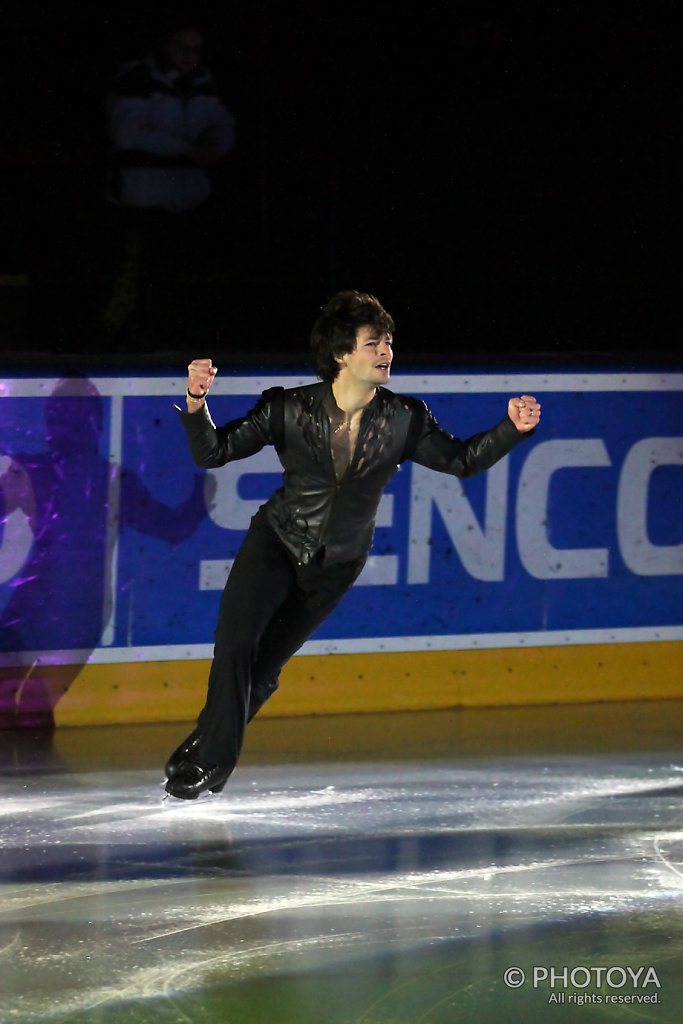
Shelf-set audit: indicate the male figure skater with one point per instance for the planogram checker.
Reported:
(339, 441)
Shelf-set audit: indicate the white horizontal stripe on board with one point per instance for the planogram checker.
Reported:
(446, 383)
(362, 645)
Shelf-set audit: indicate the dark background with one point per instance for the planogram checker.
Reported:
(506, 179)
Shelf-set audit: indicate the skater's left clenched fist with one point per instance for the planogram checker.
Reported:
(524, 412)
(200, 375)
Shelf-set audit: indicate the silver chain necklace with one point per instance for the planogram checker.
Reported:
(342, 425)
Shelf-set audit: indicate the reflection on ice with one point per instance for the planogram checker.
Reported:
(111, 894)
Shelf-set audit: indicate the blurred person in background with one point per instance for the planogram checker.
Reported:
(167, 125)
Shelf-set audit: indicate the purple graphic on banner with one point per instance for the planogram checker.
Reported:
(61, 494)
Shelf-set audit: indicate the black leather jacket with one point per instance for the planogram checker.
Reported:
(311, 512)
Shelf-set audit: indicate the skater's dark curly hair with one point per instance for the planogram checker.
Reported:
(334, 332)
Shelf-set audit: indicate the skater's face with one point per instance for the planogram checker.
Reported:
(370, 361)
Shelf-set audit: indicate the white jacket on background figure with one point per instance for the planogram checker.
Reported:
(160, 122)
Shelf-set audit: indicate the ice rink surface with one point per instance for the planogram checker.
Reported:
(400, 869)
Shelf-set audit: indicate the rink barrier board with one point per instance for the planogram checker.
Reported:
(355, 683)
(481, 557)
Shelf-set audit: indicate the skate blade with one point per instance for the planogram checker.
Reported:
(168, 800)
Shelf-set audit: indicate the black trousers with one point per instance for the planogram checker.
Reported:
(269, 608)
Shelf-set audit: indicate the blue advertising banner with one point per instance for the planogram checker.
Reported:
(114, 546)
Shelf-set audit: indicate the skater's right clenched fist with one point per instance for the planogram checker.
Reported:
(200, 375)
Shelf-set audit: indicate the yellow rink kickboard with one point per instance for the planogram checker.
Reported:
(164, 691)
